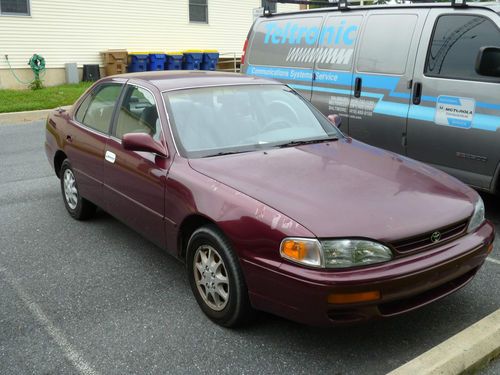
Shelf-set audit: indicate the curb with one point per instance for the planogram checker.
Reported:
(465, 352)
(16, 118)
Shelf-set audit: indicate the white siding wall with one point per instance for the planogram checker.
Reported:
(77, 30)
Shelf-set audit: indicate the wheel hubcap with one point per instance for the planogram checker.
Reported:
(211, 277)
(70, 191)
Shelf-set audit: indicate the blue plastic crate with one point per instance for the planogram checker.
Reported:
(157, 61)
(138, 62)
(192, 60)
(174, 61)
(209, 60)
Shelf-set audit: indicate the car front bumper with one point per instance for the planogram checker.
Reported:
(405, 283)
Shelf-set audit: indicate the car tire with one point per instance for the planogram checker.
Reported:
(216, 278)
(78, 207)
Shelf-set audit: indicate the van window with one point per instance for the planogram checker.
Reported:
(456, 43)
(336, 45)
(386, 43)
(101, 106)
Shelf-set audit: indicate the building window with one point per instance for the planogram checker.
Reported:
(15, 7)
(198, 11)
(272, 6)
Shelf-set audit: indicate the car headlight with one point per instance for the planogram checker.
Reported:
(334, 253)
(350, 253)
(477, 217)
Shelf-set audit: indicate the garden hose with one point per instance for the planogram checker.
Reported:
(37, 65)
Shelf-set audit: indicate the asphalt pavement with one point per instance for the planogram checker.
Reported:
(96, 298)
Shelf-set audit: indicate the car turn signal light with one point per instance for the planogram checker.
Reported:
(294, 249)
(489, 249)
(341, 298)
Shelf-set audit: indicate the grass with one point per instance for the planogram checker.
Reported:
(46, 98)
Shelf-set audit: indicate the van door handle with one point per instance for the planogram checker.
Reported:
(417, 93)
(357, 87)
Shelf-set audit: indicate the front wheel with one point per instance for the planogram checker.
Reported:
(216, 278)
(77, 206)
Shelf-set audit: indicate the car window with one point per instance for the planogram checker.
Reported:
(138, 114)
(385, 43)
(97, 109)
(206, 121)
(456, 43)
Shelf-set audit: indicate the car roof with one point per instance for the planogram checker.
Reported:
(182, 79)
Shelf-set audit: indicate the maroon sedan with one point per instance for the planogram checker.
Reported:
(269, 205)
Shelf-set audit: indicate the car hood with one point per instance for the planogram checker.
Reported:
(346, 188)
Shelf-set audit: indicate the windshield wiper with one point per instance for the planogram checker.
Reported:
(224, 153)
(306, 142)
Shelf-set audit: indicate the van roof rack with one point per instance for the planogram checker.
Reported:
(340, 4)
(344, 4)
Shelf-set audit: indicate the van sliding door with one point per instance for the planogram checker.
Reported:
(334, 63)
(283, 48)
(382, 77)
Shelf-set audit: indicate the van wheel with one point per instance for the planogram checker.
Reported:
(78, 207)
(216, 278)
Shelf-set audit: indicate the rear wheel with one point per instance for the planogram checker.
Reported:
(216, 278)
(77, 206)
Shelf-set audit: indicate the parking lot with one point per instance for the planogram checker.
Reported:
(96, 298)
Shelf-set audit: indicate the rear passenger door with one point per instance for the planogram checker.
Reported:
(382, 77)
(454, 119)
(86, 139)
(134, 181)
(334, 64)
(284, 48)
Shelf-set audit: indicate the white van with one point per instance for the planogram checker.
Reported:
(420, 80)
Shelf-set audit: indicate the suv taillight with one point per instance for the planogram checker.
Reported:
(244, 52)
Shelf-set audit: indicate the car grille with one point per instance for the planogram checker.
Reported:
(423, 241)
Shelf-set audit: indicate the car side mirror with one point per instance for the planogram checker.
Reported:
(336, 120)
(142, 142)
(488, 61)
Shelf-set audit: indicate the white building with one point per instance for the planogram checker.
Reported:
(67, 31)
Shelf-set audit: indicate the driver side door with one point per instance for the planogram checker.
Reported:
(134, 181)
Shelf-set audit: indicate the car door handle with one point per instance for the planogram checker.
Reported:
(417, 93)
(110, 156)
(69, 139)
(357, 87)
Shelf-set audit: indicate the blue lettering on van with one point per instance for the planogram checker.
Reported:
(293, 33)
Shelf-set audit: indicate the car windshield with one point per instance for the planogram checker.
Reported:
(213, 121)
